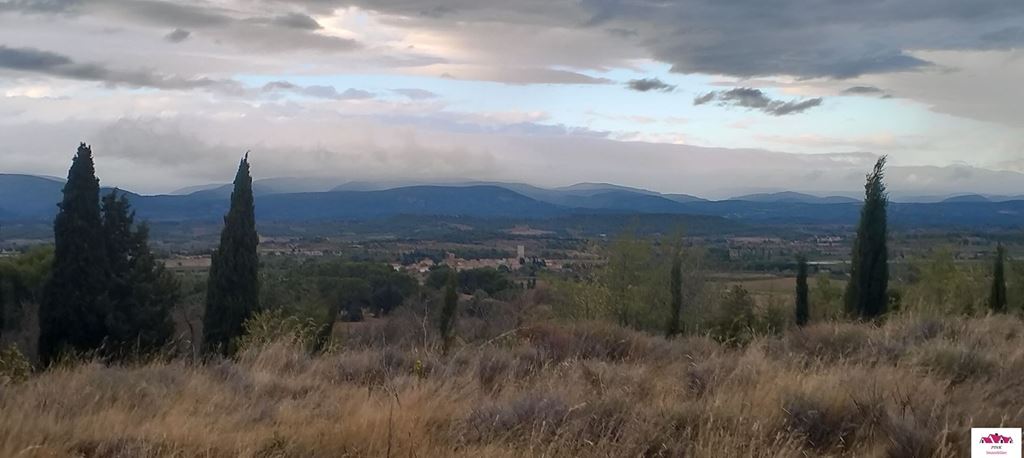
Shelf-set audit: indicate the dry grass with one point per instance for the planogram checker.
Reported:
(912, 387)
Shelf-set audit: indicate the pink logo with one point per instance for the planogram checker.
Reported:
(996, 439)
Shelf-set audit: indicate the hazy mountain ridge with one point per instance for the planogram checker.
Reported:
(29, 198)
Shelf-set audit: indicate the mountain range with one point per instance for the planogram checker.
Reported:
(33, 198)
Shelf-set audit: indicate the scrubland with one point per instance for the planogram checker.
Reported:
(913, 386)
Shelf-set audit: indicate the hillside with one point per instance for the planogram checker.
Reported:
(32, 199)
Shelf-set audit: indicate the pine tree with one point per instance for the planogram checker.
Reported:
(997, 299)
(449, 310)
(802, 306)
(676, 289)
(232, 294)
(141, 292)
(867, 292)
(72, 314)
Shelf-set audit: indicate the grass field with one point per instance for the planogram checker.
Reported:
(911, 387)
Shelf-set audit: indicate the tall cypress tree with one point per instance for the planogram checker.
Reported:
(141, 292)
(803, 312)
(450, 310)
(72, 314)
(867, 292)
(232, 294)
(675, 282)
(997, 298)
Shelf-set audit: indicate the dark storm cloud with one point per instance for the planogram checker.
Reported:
(173, 13)
(756, 99)
(320, 92)
(650, 84)
(36, 61)
(749, 38)
(177, 35)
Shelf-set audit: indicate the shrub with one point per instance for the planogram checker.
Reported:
(825, 423)
(734, 322)
(531, 413)
(586, 340)
(493, 366)
(272, 326)
(827, 342)
(958, 364)
(14, 367)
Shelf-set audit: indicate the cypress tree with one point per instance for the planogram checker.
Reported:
(141, 292)
(449, 310)
(803, 312)
(867, 292)
(676, 304)
(232, 294)
(72, 314)
(997, 298)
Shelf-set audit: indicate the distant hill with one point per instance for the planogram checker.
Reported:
(192, 189)
(25, 198)
(967, 198)
(684, 198)
(479, 201)
(792, 197)
(598, 188)
(625, 201)
(28, 196)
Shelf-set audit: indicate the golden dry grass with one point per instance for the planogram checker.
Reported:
(912, 387)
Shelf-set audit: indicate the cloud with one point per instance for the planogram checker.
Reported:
(177, 35)
(863, 90)
(37, 6)
(33, 60)
(508, 75)
(756, 99)
(650, 84)
(835, 39)
(415, 94)
(297, 21)
(231, 22)
(320, 92)
(866, 91)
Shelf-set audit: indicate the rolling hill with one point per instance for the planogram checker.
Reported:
(27, 198)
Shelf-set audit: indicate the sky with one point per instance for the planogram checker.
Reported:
(705, 97)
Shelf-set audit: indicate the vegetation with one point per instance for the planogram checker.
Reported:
(487, 279)
(21, 282)
(867, 292)
(803, 312)
(912, 387)
(74, 309)
(675, 283)
(141, 293)
(232, 294)
(449, 311)
(997, 299)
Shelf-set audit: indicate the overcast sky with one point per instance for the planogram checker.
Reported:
(706, 97)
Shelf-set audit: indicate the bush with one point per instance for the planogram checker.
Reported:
(958, 364)
(14, 367)
(527, 415)
(270, 326)
(734, 322)
(594, 340)
(827, 342)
